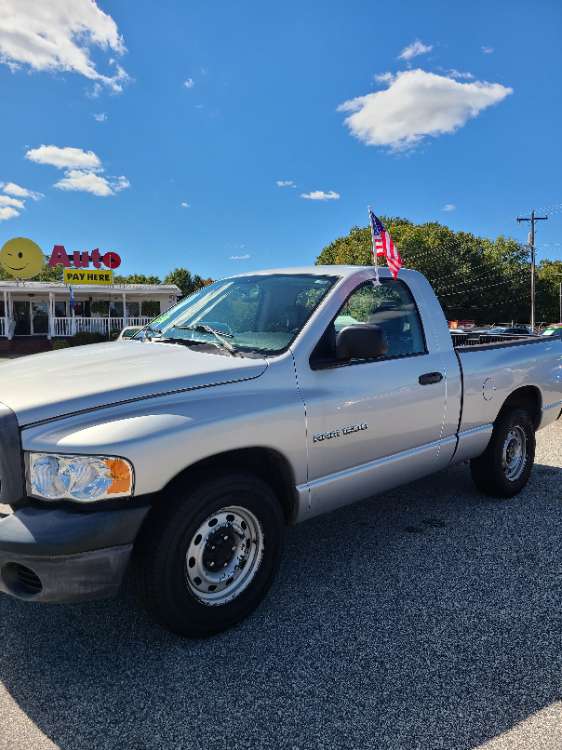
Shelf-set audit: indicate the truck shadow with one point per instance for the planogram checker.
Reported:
(425, 618)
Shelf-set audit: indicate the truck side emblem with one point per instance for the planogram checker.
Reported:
(348, 430)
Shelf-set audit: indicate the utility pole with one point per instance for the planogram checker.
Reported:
(532, 219)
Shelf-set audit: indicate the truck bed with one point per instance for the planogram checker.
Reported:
(468, 340)
(492, 371)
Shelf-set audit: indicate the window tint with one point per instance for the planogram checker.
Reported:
(237, 311)
(388, 305)
(261, 313)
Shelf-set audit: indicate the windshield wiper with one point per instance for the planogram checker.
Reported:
(204, 328)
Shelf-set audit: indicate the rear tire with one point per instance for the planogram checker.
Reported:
(504, 468)
(209, 555)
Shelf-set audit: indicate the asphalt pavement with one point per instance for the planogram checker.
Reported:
(427, 618)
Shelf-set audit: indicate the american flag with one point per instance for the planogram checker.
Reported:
(383, 246)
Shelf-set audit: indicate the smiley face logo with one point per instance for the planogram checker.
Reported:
(22, 258)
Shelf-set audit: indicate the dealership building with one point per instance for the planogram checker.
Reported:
(51, 309)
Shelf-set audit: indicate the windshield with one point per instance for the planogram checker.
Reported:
(251, 313)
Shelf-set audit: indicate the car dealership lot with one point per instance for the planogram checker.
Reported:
(429, 617)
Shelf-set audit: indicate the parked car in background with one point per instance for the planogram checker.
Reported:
(128, 332)
(517, 330)
(555, 330)
(520, 330)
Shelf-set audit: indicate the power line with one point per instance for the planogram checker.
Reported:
(465, 281)
(482, 305)
(470, 289)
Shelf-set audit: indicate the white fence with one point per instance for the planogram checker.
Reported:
(69, 326)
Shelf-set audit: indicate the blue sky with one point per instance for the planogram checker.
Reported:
(468, 118)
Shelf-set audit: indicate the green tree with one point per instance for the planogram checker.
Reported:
(187, 282)
(136, 278)
(474, 277)
(549, 278)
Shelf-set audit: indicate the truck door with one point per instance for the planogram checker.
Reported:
(374, 424)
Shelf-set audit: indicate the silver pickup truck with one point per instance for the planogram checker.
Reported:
(258, 402)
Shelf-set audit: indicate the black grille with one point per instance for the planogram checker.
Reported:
(11, 464)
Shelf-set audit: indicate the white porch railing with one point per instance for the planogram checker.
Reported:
(69, 326)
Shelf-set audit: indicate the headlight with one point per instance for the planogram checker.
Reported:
(85, 479)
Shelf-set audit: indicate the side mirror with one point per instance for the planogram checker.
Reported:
(360, 342)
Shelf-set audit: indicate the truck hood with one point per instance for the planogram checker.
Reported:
(58, 383)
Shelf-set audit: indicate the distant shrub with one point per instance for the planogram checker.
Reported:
(85, 337)
(60, 343)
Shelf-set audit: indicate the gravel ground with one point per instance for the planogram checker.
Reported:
(426, 618)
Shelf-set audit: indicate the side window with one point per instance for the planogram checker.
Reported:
(389, 305)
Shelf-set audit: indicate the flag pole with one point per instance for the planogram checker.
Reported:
(373, 249)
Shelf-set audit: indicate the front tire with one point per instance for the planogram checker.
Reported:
(504, 468)
(209, 555)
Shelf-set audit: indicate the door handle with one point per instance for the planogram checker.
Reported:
(429, 378)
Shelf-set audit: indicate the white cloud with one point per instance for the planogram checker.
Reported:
(460, 75)
(8, 213)
(95, 91)
(59, 35)
(247, 256)
(83, 170)
(11, 188)
(383, 77)
(320, 195)
(100, 117)
(185, 204)
(64, 158)
(487, 50)
(119, 183)
(85, 181)
(189, 83)
(285, 183)
(414, 50)
(417, 104)
(6, 200)
(12, 199)
(449, 207)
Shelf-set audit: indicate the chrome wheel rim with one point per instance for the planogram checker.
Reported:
(514, 454)
(224, 555)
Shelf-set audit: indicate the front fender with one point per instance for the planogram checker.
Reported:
(165, 435)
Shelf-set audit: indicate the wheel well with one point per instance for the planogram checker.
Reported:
(268, 464)
(528, 397)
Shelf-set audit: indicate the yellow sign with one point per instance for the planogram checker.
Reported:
(22, 258)
(87, 276)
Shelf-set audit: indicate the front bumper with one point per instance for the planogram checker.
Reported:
(53, 555)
